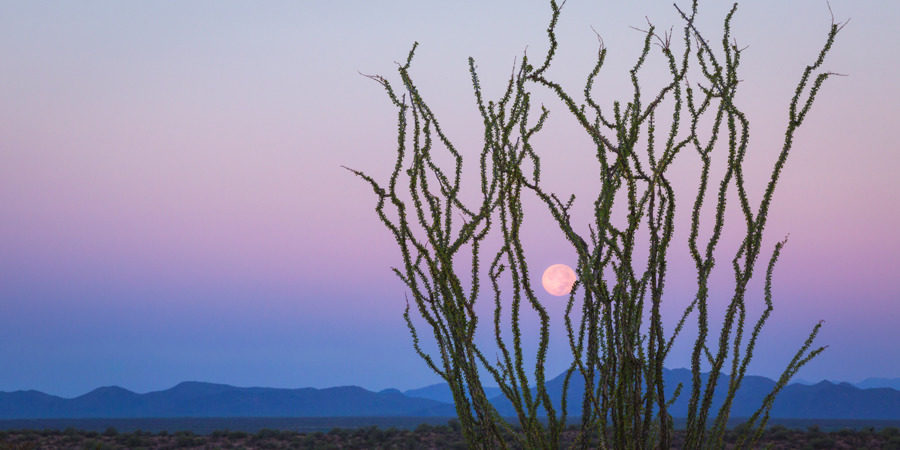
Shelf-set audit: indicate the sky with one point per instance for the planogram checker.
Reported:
(172, 205)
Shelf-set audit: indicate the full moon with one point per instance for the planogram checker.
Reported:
(558, 279)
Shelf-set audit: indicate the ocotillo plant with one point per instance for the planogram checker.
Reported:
(619, 345)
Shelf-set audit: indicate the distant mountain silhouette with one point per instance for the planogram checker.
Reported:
(824, 400)
(869, 383)
(194, 399)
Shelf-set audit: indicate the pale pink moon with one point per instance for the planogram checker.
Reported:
(558, 279)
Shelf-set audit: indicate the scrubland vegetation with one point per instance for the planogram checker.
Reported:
(424, 437)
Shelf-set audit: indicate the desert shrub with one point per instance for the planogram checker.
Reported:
(237, 434)
(822, 442)
(187, 440)
(372, 434)
(778, 433)
(131, 440)
(219, 434)
(267, 433)
(111, 431)
(846, 432)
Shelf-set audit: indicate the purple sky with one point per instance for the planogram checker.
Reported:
(172, 206)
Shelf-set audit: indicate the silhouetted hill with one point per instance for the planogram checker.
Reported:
(27, 404)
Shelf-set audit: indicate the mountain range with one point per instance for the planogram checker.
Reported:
(868, 383)
(823, 400)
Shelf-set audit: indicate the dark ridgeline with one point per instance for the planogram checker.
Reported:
(824, 400)
(195, 399)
